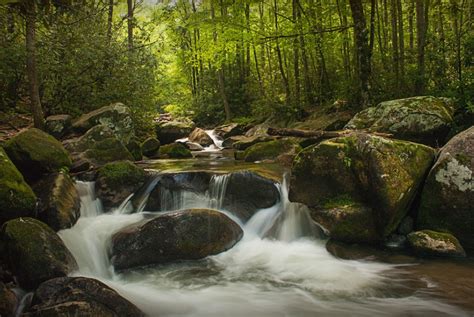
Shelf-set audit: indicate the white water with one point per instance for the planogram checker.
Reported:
(286, 274)
(217, 146)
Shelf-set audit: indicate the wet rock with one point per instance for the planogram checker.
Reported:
(35, 252)
(35, 153)
(258, 130)
(135, 149)
(361, 170)
(194, 146)
(231, 129)
(118, 180)
(58, 125)
(79, 296)
(17, 199)
(106, 151)
(150, 147)
(246, 142)
(406, 226)
(181, 235)
(59, 203)
(423, 119)
(169, 131)
(447, 198)
(200, 137)
(432, 243)
(116, 116)
(95, 134)
(8, 301)
(271, 150)
(174, 150)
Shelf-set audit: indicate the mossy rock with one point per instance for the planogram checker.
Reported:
(169, 131)
(118, 180)
(35, 252)
(423, 119)
(16, 197)
(150, 147)
(106, 151)
(270, 150)
(244, 143)
(135, 149)
(58, 125)
(35, 153)
(87, 141)
(432, 243)
(447, 199)
(380, 174)
(174, 150)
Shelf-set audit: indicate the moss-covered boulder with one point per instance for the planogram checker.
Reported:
(87, 141)
(17, 199)
(447, 199)
(35, 153)
(169, 131)
(423, 119)
(368, 171)
(59, 205)
(232, 129)
(35, 252)
(174, 150)
(150, 147)
(243, 143)
(432, 243)
(79, 296)
(106, 151)
(116, 116)
(135, 149)
(271, 150)
(58, 125)
(200, 137)
(118, 180)
(182, 235)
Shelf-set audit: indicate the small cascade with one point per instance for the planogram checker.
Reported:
(217, 190)
(216, 139)
(136, 202)
(91, 206)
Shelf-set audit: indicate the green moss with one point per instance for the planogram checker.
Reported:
(108, 150)
(150, 147)
(135, 149)
(339, 201)
(270, 150)
(121, 173)
(174, 150)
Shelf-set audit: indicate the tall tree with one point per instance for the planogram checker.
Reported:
(130, 9)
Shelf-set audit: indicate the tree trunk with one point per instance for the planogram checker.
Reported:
(421, 28)
(401, 42)
(130, 9)
(395, 55)
(36, 109)
(280, 60)
(110, 18)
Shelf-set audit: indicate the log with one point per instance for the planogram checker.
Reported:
(318, 134)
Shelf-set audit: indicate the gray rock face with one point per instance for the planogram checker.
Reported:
(431, 243)
(58, 125)
(169, 131)
(79, 296)
(422, 119)
(181, 235)
(447, 199)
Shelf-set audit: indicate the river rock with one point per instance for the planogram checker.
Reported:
(106, 151)
(200, 137)
(79, 296)
(58, 125)
(17, 199)
(258, 130)
(271, 150)
(116, 116)
(59, 203)
(194, 146)
(135, 149)
(118, 180)
(447, 199)
(8, 301)
(35, 153)
(174, 150)
(150, 147)
(181, 235)
(423, 119)
(245, 142)
(95, 134)
(432, 243)
(169, 131)
(370, 174)
(232, 129)
(35, 252)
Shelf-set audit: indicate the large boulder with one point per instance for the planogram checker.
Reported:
(17, 199)
(135, 149)
(372, 175)
(95, 134)
(447, 199)
(271, 150)
(181, 235)
(174, 150)
(150, 147)
(432, 243)
(258, 130)
(35, 153)
(422, 119)
(118, 180)
(79, 296)
(106, 151)
(116, 116)
(35, 252)
(169, 131)
(58, 125)
(200, 137)
(59, 203)
(242, 143)
(232, 129)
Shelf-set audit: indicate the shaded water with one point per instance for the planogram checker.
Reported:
(280, 268)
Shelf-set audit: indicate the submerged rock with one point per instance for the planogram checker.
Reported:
(35, 153)
(118, 180)
(35, 252)
(432, 243)
(200, 137)
(271, 150)
(150, 147)
(362, 171)
(174, 150)
(58, 125)
(17, 199)
(169, 131)
(59, 203)
(79, 296)
(423, 119)
(447, 199)
(181, 235)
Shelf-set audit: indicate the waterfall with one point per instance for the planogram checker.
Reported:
(216, 139)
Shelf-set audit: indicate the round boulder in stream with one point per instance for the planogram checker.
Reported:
(182, 235)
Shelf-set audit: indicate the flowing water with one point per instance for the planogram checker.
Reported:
(279, 268)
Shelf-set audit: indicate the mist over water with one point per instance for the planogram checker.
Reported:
(279, 268)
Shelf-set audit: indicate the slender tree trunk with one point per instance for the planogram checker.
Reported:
(110, 17)
(401, 42)
(36, 109)
(280, 60)
(395, 52)
(411, 9)
(130, 10)
(421, 29)
(296, 54)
